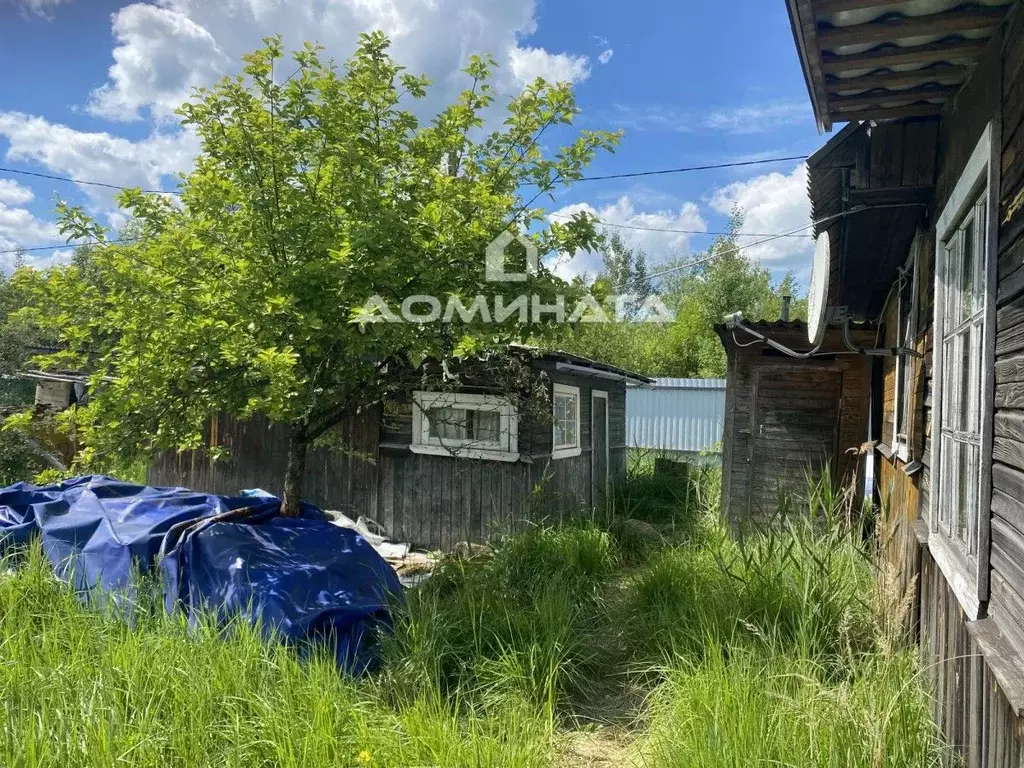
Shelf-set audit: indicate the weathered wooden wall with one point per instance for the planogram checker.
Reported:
(970, 701)
(1006, 587)
(428, 500)
(976, 668)
(437, 501)
(341, 477)
(780, 442)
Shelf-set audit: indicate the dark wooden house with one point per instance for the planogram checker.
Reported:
(785, 418)
(444, 466)
(927, 186)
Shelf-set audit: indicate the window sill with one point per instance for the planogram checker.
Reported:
(884, 449)
(464, 453)
(567, 453)
(957, 569)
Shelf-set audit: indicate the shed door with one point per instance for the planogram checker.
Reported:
(599, 455)
(795, 429)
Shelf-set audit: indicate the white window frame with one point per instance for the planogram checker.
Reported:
(565, 451)
(965, 563)
(505, 449)
(904, 362)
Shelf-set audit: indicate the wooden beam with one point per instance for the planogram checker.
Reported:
(893, 97)
(945, 73)
(891, 195)
(886, 113)
(828, 7)
(914, 54)
(910, 26)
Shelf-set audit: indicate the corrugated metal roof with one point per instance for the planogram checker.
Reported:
(689, 383)
(684, 415)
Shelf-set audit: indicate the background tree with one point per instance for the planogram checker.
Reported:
(722, 279)
(312, 193)
(625, 270)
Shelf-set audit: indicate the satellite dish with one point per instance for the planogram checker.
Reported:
(817, 300)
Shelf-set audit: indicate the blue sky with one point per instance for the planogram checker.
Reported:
(91, 86)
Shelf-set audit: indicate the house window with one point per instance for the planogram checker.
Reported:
(963, 328)
(566, 422)
(906, 335)
(465, 425)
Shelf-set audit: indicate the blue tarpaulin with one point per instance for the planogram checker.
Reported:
(302, 578)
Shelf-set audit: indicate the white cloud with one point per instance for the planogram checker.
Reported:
(163, 50)
(530, 63)
(160, 56)
(757, 118)
(13, 193)
(606, 55)
(660, 246)
(39, 8)
(19, 227)
(97, 156)
(772, 203)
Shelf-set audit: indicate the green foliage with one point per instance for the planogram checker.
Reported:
(19, 459)
(715, 652)
(312, 194)
(724, 281)
(737, 707)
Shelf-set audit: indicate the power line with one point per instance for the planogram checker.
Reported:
(631, 175)
(85, 181)
(69, 245)
(815, 223)
(731, 251)
(667, 171)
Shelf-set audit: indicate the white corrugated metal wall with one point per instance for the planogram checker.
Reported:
(685, 415)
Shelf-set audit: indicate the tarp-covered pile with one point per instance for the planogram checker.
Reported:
(302, 578)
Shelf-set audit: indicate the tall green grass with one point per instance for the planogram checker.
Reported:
(776, 649)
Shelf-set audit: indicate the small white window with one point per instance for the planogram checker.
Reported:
(464, 425)
(565, 422)
(906, 338)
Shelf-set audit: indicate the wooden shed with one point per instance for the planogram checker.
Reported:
(437, 468)
(786, 417)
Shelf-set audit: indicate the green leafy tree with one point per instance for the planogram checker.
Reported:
(721, 280)
(312, 193)
(625, 269)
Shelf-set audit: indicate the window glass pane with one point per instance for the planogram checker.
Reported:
(965, 390)
(949, 362)
(565, 407)
(967, 268)
(962, 482)
(946, 483)
(972, 497)
(447, 423)
(485, 426)
(950, 283)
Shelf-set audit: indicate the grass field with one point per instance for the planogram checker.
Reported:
(600, 643)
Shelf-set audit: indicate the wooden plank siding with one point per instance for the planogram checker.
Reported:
(1006, 594)
(976, 702)
(748, 493)
(969, 699)
(428, 500)
(341, 477)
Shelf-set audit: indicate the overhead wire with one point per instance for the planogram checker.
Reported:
(605, 177)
